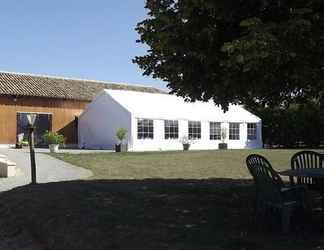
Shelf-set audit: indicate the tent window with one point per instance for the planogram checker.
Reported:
(171, 129)
(214, 130)
(251, 131)
(194, 130)
(234, 131)
(145, 129)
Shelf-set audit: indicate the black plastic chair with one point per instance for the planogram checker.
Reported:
(271, 193)
(306, 159)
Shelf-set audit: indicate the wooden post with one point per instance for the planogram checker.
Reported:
(32, 155)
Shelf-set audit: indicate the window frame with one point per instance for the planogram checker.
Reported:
(194, 130)
(215, 133)
(232, 132)
(147, 129)
(171, 129)
(251, 136)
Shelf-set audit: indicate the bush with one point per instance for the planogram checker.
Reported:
(53, 138)
(299, 125)
(121, 134)
(185, 140)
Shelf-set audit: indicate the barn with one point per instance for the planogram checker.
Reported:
(158, 121)
(57, 101)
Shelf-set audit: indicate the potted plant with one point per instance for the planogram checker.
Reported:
(223, 144)
(186, 142)
(24, 143)
(54, 140)
(20, 138)
(121, 135)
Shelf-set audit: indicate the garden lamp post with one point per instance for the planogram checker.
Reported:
(31, 122)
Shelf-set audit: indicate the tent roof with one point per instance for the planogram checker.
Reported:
(171, 107)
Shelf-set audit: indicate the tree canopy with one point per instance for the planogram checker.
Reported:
(253, 52)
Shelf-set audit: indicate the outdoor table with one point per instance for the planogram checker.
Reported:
(315, 173)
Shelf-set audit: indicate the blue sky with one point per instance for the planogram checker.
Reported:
(74, 38)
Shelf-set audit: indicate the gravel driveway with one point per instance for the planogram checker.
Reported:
(49, 169)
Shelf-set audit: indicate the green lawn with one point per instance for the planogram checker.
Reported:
(192, 200)
(167, 165)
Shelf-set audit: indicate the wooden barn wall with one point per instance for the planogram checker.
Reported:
(63, 115)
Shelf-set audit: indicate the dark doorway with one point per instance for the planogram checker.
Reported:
(43, 123)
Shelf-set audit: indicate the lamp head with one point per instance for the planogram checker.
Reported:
(31, 119)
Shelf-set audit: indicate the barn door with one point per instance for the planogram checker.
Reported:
(43, 123)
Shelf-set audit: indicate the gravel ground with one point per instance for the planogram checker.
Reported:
(49, 169)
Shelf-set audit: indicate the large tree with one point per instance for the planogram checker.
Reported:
(264, 52)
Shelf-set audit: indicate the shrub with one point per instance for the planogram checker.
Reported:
(185, 140)
(53, 138)
(121, 134)
(223, 134)
(297, 125)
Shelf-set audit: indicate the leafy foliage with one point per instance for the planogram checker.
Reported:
(299, 125)
(185, 140)
(121, 134)
(265, 52)
(223, 134)
(53, 138)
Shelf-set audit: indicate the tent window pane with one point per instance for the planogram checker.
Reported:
(145, 129)
(251, 131)
(214, 130)
(171, 129)
(234, 131)
(194, 130)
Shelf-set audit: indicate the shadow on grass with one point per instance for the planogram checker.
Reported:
(143, 214)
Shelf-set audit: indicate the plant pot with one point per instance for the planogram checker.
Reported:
(121, 147)
(186, 146)
(53, 148)
(222, 145)
(18, 145)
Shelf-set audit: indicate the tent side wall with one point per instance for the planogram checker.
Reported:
(258, 143)
(159, 142)
(244, 142)
(100, 121)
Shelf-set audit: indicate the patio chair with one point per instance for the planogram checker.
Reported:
(306, 159)
(271, 193)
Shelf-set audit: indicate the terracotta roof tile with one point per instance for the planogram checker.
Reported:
(18, 84)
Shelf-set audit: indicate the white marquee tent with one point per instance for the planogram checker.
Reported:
(159, 121)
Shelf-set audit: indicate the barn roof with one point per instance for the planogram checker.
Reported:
(19, 84)
(171, 107)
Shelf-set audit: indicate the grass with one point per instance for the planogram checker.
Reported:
(201, 200)
(169, 165)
